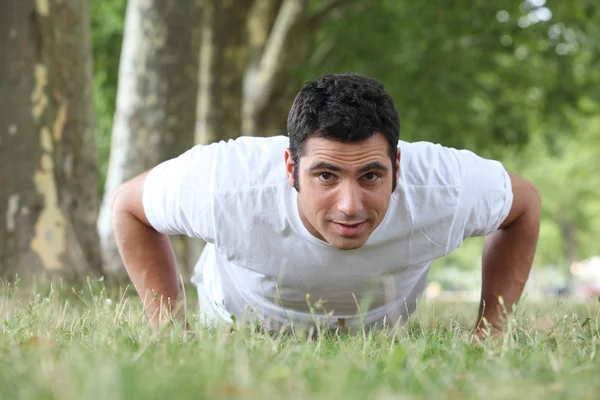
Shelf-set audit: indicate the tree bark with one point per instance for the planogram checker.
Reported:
(261, 19)
(156, 100)
(280, 45)
(224, 55)
(266, 83)
(48, 197)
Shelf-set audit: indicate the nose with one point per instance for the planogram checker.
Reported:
(349, 201)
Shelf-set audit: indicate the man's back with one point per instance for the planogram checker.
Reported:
(262, 261)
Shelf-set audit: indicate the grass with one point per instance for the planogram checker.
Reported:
(94, 343)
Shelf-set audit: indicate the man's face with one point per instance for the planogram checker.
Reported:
(345, 188)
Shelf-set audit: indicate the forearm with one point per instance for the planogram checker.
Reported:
(507, 258)
(150, 263)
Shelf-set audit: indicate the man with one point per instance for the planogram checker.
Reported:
(336, 224)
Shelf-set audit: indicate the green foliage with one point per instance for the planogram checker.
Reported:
(95, 344)
(474, 74)
(567, 177)
(107, 20)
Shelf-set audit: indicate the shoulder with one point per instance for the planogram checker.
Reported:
(240, 163)
(181, 194)
(429, 164)
(432, 164)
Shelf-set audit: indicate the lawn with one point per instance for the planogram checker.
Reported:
(94, 343)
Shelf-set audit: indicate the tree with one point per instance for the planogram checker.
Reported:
(47, 142)
(156, 101)
(107, 21)
(285, 40)
(251, 51)
(224, 53)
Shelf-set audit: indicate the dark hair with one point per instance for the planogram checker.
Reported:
(345, 107)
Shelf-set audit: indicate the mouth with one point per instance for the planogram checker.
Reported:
(349, 229)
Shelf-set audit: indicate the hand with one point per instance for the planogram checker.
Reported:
(485, 330)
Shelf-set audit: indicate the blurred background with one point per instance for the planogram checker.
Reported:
(94, 92)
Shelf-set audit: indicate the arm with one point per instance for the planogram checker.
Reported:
(147, 254)
(508, 255)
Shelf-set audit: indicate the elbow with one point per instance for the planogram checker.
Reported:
(117, 208)
(527, 202)
(127, 202)
(116, 200)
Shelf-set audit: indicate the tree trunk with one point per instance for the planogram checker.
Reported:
(264, 112)
(224, 55)
(48, 197)
(261, 19)
(156, 101)
(279, 47)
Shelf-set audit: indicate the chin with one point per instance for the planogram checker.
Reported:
(348, 244)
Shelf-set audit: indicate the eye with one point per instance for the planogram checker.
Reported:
(326, 176)
(371, 176)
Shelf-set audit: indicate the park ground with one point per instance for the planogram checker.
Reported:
(93, 343)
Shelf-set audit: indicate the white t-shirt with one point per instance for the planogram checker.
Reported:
(261, 261)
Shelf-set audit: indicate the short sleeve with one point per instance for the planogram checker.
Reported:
(177, 195)
(485, 195)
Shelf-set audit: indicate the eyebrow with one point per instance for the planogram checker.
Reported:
(324, 165)
(373, 165)
(335, 168)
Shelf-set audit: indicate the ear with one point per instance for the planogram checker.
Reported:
(289, 166)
